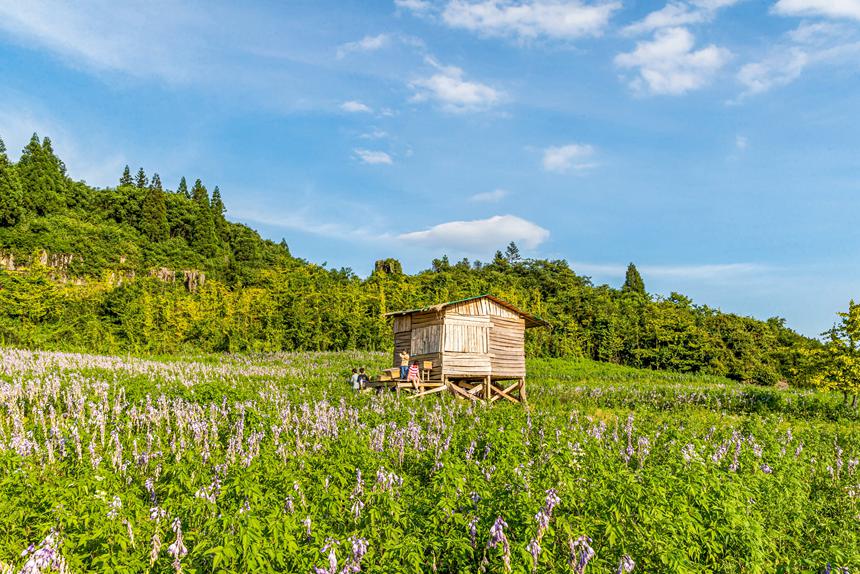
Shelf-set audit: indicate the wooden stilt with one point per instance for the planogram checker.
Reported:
(505, 393)
(523, 396)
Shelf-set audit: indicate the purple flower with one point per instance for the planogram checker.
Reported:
(497, 536)
(626, 565)
(581, 553)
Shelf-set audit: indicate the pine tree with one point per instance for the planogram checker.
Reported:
(218, 209)
(204, 238)
(126, 177)
(217, 204)
(512, 253)
(11, 194)
(42, 177)
(183, 188)
(633, 281)
(140, 181)
(154, 212)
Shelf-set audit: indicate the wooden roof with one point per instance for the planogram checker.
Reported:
(531, 320)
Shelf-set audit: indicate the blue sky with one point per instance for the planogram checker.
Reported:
(713, 142)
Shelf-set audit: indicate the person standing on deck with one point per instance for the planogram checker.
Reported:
(404, 364)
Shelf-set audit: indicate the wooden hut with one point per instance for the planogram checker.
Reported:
(473, 347)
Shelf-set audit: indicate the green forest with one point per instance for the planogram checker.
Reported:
(142, 268)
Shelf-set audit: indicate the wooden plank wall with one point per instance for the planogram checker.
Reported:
(403, 340)
(402, 323)
(481, 307)
(466, 364)
(467, 334)
(426, 340)
(507, 339)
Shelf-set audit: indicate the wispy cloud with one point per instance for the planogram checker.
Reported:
(571, 156)
(490, 196)
(414, 5)
(809, 44)
(366, 44)
(132, 38)
(373, 157)
(719, 271)
(668, 64)
(480, 235)
(531, 19)
(449, 88)
(849, 9)
(353, 106)
(777, 69)
(95, 164)
(374, 134)
(741, 142)
(679, 13)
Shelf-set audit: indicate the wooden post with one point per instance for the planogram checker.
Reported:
(523, 392)
(488, 385)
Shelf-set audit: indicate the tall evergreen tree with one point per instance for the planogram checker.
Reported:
(126, 177)
(217, 203)
(183, 188)
(42, 177)
(140, 181)
(633, 281)
(204, 237)
(11, 194)
(218, 210)
(512, 253)
(154, 212)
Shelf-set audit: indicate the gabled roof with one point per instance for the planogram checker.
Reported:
(531, 320)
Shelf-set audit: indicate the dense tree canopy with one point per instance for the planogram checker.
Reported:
(127, 276)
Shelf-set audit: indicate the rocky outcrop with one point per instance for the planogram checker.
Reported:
(163, 274)
(58, 261)
(7, 262)
(194, 279)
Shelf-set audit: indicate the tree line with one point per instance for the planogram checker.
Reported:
(258, 297)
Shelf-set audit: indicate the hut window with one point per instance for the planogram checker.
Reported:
(426, 340)
(466, 337)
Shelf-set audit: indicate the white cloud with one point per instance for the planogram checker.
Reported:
(572, 156)
(713, 272)
(373, 157)
(375, 134)
(810, 44)
(741, 142)
(531, 19)
(828, 8)
(366, 44)
(455, 94)
(134, 39)
(679, 13)
(669, 65)
(490, 196)
(97, 164)
(355, 107)
(778, 69)
(414, 5)
(479, 235)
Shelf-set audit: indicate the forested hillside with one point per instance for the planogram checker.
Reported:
(143, 268)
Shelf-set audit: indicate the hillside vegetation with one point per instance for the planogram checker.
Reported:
(143, 268)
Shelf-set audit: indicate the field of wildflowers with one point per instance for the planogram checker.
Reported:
(272, 463)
